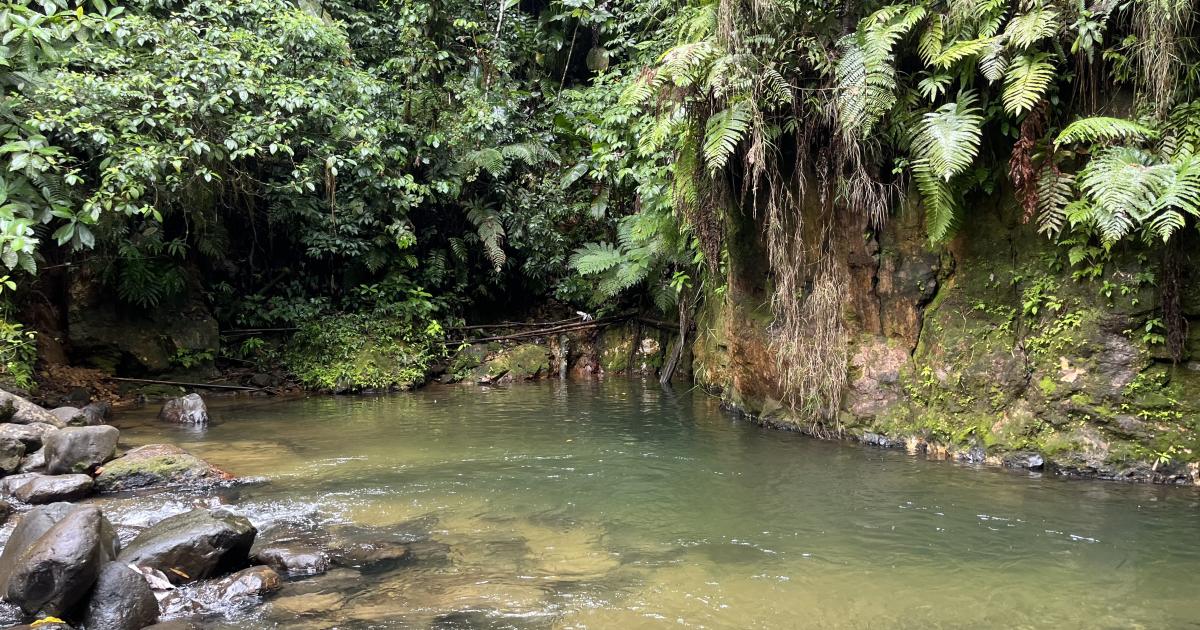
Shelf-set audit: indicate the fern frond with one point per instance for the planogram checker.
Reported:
(594, 258)
(1029, 28)
(941, 207)
(960, 50)
(1100, 128)
(947, 140)
(1053, 194)
(491, 233)
(723, 132)
(1026, 81)
(1123, 185)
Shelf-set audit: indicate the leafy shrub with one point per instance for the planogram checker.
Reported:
(362, 351)
(18, 352)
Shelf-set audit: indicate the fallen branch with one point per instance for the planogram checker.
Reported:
(546, 331)
(183, 384)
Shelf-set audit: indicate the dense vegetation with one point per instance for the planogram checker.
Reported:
(421, 161)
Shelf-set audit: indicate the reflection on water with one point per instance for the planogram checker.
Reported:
(619, 505)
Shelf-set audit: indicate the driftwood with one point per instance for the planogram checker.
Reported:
(183, 384)
(542, 332)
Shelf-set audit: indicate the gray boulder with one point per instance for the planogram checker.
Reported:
(34, 462)
(20, 411)
(248, 583)
(121, 600)
(188, 409)
(193, 545)
(32, 526)
(31, 435)
(157, 465)
(60, 567)
(53, 488)
(96, 413)
(294, 560)
(11, 451)
(68, 415)
(80, 449)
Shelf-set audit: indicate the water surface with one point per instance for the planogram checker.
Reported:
(617, 504)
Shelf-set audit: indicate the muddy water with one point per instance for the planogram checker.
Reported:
(619, 505)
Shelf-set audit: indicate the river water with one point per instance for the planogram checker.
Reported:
(617, 504)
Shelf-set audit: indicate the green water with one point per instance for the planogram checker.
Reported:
(619, 505)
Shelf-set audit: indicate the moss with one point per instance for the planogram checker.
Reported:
(1047, 385)
(522, 362)
(354, 352)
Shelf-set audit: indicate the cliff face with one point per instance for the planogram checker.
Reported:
(993, 348)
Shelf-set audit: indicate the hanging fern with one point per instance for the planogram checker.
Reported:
(1029, 28)
(1025, 82)
(491, 232)
(947, 140)
(724, 131)
(1102, 128)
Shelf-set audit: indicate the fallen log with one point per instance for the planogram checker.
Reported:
(183, 384)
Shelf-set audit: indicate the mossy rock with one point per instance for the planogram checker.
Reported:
(157, 465)
(523, 362)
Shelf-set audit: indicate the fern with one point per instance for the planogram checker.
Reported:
(1122, 185)
(1026, 81)
(961, 50)
(1100, 128)
(1029, 28)
(594, 258)
(724, 131)
(941, 207)
(491, 233)
(947, 140)
(1053, 194)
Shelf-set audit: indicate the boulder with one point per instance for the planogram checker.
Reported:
(80, 449)
(6, 510)
(20, 411)
(193, 545)
(68, 415)
(121, 600)
(31, 435)
(188, 409)
(157, 465)
(34, 462)
(11, 451)
(32, 526)
(374, 556)
(252, 582)
(61, 566)
(96, 413)
(294, 560)
(53, 488)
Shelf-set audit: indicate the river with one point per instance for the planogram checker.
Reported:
(617, 504)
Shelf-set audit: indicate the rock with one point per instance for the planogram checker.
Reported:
(67, 415)
(174, 624)
(188, 409)
(193, 545)
(1024, 459)
(20, 411)
(52, 488)
(80, 449)
(96, 413)
(32, 526)
(11, 451)
(157, 465)
(58, 569)
(253, 582)
(51, 625)
(10, 483)
(31, 435)
(121, 600)
(372, 556)
(6, 510)
(294, 560)
(35, 462)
